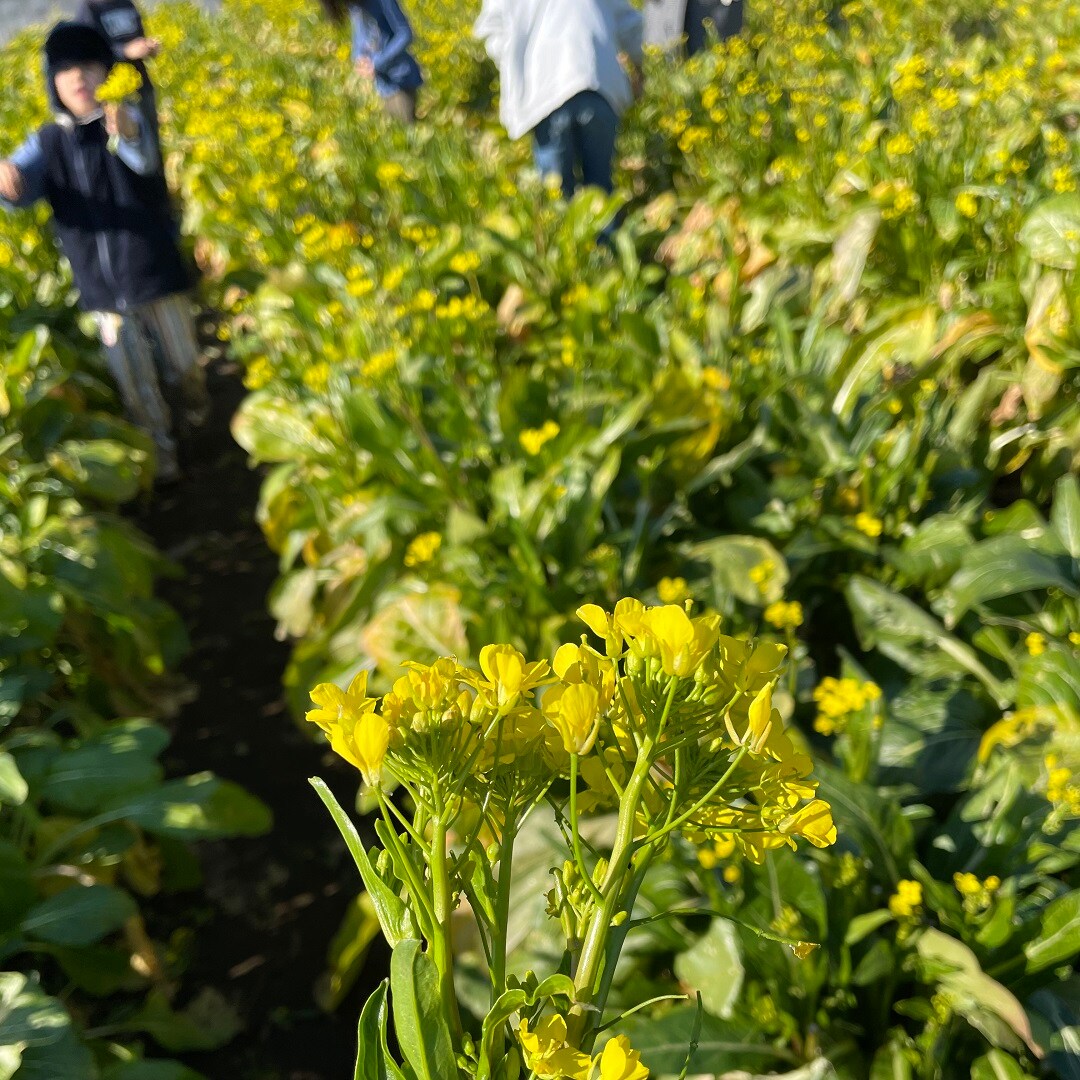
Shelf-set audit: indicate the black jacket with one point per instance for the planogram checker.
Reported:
(113, 225)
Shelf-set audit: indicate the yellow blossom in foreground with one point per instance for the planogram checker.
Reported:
(123, 82)
(574, 712)
(547, 1054)
(619, 1062)
(356, 732)
(423, 549)
(906, 902)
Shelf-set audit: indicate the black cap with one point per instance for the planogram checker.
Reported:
(72, 43)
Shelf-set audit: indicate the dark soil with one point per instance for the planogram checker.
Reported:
(270, 906)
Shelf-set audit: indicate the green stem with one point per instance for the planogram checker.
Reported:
(404, 865)
(442, 942)
(499, 930)
(575, 834)
(706, 798)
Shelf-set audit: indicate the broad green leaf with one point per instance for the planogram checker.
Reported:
(151, 1070)
(1065, 515)
(1004, 566)
(372, 1060)
(199, 807)
(904, 632)
(101, 469)
(891, 1063)
(997, 1065)
(1055, 1016)
(28, 1017)
(67, 1057)
(1051, 679)
(722, 1045)
(957, 970)
(713, 966)
(1051, 233)
(508, 1003)
(208, 1022)
(80, 915)
(119, 762)
(863, 925)
(733, 557)
(272, 429)
(1059, 934)
(17, 890)
(419, 1020)
(13, 788)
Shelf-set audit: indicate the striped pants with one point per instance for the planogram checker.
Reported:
(153, 356)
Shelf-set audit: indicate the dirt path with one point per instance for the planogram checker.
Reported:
(270, 906)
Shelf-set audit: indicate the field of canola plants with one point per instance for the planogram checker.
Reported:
(824, 387)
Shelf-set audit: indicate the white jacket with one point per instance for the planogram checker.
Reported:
(548, 51)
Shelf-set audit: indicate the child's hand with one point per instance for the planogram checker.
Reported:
(11, 182)
(119, 121)
(365, 68)
(141, 48)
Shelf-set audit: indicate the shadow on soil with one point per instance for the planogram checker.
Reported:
(269, 907)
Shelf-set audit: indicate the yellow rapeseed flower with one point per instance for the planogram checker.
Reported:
(423, 549)
(672, 590)
(906, 902)
(124, 82)
(547, 1053)
(868, 524)
(619, 1062)
(785, 615)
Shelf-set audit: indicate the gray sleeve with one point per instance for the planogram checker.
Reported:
(140, 154)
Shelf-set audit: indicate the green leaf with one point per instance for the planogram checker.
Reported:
(997, 1065)
(863, 925)
(67, 1057)
(373, 1062)
(1065, 514)
(113, 765)
(419, 1020)
(1051, 233)
(1004, 566)
(28, 1018)
(733, 557)
(956, 968)
(13, 788)
(151, 1070)
(905, 633)
(722, 1045)
(199, 807)
(101, 469)
(1059, 934)
(79, 915)
(394, 916)
(272, 429)
(207, 1023)
(1055, 1015)
(17, 891)
(713, 966)
(891, 1063)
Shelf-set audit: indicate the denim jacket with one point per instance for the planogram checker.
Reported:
(382, 32)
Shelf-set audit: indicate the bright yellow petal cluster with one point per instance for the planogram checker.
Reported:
(124, 82)
(355, 730)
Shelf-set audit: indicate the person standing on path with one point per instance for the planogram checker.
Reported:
(120, 23)
(563, 79)
(111, 216)
(381, 39)
(668, 22)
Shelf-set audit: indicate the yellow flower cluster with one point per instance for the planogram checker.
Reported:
(724, 769)
(785, 615)
(422, 549)
(672, 590)
(906, 902)
(978, 895)
(838, 699)
(124, 82)
(533, 440)
(549, 1056)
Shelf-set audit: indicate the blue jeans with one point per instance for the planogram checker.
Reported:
(577, 143)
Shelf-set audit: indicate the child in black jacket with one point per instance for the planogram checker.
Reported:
(111, 216)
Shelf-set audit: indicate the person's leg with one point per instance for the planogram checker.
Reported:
(171, 325)
(595, 128)
(130, 355)
(553, 147)
(402, 106)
